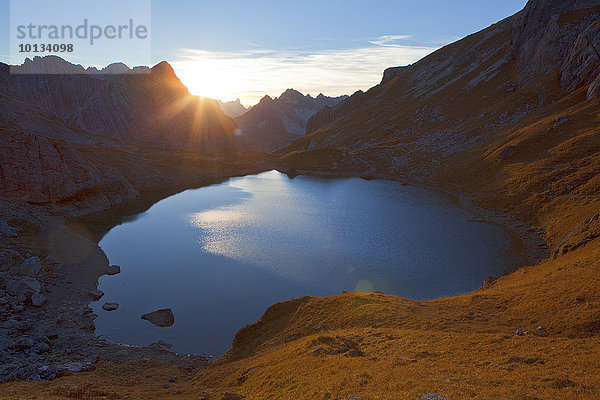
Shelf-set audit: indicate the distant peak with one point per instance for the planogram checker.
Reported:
(49, 65)
(116, 68)
(266, 99)
(292, 95)
(163, 68)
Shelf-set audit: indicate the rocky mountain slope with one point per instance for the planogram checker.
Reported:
(56, 117)
(233, 109)
(273, 123)
(153, 109)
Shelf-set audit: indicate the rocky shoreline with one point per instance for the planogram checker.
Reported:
(49, 269)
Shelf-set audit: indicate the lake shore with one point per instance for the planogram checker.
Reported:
(77, 263)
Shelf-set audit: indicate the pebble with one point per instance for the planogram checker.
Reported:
(433, 396)
(539, 331)
(519, 332)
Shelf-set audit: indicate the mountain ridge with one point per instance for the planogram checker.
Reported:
(273, 123)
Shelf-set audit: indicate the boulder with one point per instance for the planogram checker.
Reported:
(110, 306)
(161, 318)
(24, 343)
(38, 300)
(31, 267)
(22, 285)
(540, 331)
(7, 230)
(519, 332)
(232, 396)
(96, 294)
(74, 367)
(113, 270)
(160, 345)
(9, 258)
(433, 396)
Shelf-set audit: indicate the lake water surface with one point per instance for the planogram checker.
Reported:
(219, 256)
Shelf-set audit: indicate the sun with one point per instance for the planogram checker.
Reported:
(209, 79)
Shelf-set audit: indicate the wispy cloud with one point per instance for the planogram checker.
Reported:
(251, 74)
(389, 40)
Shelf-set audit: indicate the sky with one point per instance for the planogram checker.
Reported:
(247, 49)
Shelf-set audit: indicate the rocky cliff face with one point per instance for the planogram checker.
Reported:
(36, 169)
(460, 95)
(273, 123)
(152, 109)
(68, 133)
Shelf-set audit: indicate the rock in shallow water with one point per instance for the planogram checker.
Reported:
(110, 306)
(96, 294)
(113, 270)
(160, 345)
(161, 318)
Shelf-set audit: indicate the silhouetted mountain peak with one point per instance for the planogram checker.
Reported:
(48, 65)
(163, 68)
(266, 100)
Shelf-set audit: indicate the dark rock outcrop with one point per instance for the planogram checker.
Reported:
(582, 65)
(392, 73)
(36, 169)
(543, 33)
